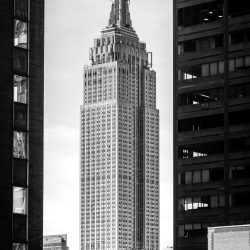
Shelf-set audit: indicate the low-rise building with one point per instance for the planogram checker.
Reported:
(229, 238)
(55, 242)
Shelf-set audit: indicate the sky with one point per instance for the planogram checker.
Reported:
(70, 27)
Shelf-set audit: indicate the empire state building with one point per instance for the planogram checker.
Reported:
(119, 141)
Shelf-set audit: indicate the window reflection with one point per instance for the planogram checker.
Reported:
(19, 200)
(19, 145)
(20, 89)
(203, 202)
(201, 150)
(17, 246)
(20, 34)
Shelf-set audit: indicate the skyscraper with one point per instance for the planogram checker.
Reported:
(119, 141)
(211, 118)
(21, 123)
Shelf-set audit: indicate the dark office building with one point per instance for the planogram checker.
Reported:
(21, 124)
(211, 118)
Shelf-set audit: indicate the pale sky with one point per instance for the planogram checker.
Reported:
(70, 27)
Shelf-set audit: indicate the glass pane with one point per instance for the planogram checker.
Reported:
(197, 226)
(20, 116)
(231, 173)
(188, 204)
(20, 34)
(214, 201)
(197, 177)
(188, 227)
(20, 89)
(213, 68)
(17, 246)
(21, 8)
(205, 176)
(20, 61)
(222, 201)
(19, 200)
(196, 202)
(221, 67)
(204, 44)
(181, 204)
(181, 49)
(205, 69)
(181, 231)
(19, 145)
(188, 177)
(19, 228)
(239, 62)
(180, 75)
(247, 61)
(231, 65)
(19, 172)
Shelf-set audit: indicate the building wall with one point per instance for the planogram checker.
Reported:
(211, 129)
(36, 124)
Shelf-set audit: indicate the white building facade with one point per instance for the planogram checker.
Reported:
(119, 141)
(235, 237)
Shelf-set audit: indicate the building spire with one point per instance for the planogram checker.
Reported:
(120, 15)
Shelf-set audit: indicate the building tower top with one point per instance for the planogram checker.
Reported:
(120, 15)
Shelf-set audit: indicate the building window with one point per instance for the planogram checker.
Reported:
(19, 228)
(19, 145)
(200, 123)
(19, 200)
(200, 45)
(201, 150)
(202, 13)
(201, 97)
(201, 71)
(21, 9)
(19, 172)
(18, 246)
(240, 63)
(239, 199)
(239, 172)
(202, 202)
(20, 116)
(239, 117)
(239, 145)
(192, 230)
(20, 60)
(20, 89)
(239, 7)
(239, 91)
(20, 33)
(236, 38)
